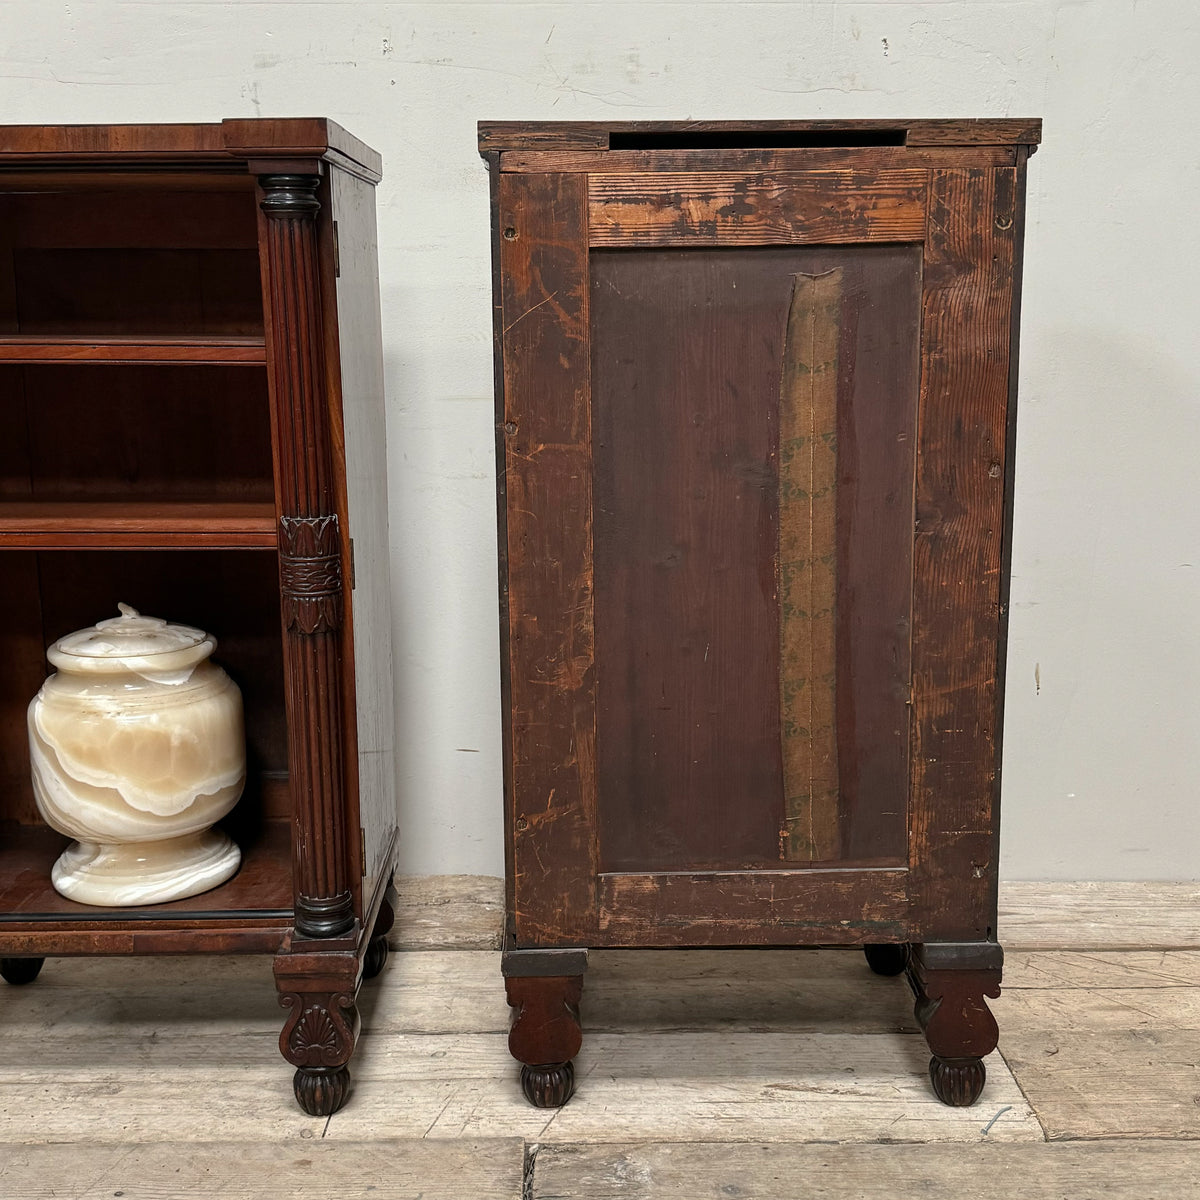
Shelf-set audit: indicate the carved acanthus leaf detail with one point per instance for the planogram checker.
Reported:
(310, 570)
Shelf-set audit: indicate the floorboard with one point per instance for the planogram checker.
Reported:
(687, 1171)
(379, 1170)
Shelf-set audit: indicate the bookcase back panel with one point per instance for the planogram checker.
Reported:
(89, 262)
(754, 417)
(88, 433)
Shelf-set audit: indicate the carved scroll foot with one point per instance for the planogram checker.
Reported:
(957, 1081)
(543, 988)
(20, 970)
(321, 1091)
(951, 981)
(887, 959)
(317, 988)
(548, 1086)
(377, 948)
(318, 1038)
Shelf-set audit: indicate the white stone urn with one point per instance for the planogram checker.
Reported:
(138, 747)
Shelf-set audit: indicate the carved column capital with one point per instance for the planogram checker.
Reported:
(310, 573)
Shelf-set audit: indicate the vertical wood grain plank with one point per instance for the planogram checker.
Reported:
(960, 524)
(545, 428)
(808, 569)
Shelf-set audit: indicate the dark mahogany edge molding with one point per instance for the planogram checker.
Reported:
(230, 142)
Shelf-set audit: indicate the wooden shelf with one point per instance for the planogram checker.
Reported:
(133, 524)
(261, 890)
(115, 351)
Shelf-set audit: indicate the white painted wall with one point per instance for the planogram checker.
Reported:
(1104, 700)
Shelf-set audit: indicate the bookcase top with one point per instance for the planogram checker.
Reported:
(712, 135)
(287, 139)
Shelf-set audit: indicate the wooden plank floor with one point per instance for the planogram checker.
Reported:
(1079, 1171)
(722, 1073)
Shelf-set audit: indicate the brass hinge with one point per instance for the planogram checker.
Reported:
(362, 851)
(337, 254)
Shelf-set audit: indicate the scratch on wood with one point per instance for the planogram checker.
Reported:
(532, 308)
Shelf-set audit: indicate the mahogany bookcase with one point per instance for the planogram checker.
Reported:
(191, 421)
(755, 400)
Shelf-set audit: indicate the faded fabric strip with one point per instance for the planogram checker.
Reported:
(808, 569)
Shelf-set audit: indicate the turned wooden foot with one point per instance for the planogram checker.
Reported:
(20, 970)
(957, 1081)
(543, 988)
(377, 949)
(951, 981)
(376, 957)
(548, 1086)
(887, 958)
(321, 1091)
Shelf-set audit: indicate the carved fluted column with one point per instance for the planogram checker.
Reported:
(309, 556)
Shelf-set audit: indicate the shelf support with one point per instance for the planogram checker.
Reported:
(311, 581)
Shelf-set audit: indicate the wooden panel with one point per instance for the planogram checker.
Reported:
(138, 433)
(86, 215)
(546, 430)
(687, 358)
(965, 342)
(115, 291)
(687, 352)
(89, 260)
(365, 463)
(813, 158)
(748, 908)
(735, 208)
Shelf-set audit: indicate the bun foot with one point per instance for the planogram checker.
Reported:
(957, 1081)
(321, 1091)
(887, 959)
(548, 1086)
(376, 957)
(20, 970)
(377, 948)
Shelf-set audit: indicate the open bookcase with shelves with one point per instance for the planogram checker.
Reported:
(191, 421)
